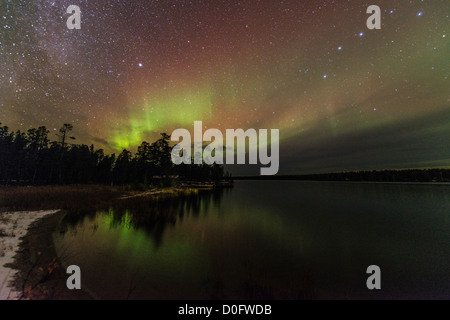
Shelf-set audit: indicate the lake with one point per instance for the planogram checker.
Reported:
(266, 240)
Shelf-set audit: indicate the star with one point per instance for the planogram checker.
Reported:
(233, 67)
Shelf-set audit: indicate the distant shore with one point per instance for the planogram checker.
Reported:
(411, 175)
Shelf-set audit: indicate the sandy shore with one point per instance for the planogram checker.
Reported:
(29, 268)
(13, 226)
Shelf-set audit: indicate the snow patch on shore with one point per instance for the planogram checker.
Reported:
(13, 226)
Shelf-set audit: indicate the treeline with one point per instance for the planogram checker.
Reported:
(412, 175)
(30, 158)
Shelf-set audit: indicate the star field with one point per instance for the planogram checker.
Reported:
(344, 97)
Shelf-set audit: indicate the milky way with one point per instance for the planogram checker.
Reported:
(344, 97)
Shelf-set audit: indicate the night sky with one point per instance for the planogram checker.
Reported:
(344, 97)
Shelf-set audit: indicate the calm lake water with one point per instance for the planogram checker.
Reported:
(267, 240)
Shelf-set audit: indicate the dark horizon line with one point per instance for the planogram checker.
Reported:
(382, 175)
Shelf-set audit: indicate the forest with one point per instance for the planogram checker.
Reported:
(30, 158)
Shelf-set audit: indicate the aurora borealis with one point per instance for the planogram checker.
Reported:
(344, 97)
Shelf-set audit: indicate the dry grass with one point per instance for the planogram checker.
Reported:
(72, 198)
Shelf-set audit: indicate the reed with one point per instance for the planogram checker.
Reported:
(71, 198)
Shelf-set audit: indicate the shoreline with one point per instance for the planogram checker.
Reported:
(13, 227)
(347, 182)
(29, 268)
(35, 272)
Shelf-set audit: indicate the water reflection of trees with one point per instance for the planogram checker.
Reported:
(153, 214)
